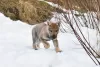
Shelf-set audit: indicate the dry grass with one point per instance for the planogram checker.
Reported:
(29, 11)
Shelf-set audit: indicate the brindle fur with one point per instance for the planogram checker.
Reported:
(45, 32)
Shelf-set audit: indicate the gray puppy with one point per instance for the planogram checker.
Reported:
(45, 32)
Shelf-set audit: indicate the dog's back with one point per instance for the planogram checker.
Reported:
(37, 29)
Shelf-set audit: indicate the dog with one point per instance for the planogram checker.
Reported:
(44, 32)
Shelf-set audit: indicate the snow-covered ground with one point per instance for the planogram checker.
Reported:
(16, 48)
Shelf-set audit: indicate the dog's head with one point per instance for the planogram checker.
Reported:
(53, 29)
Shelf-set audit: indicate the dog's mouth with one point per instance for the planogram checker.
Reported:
(53, 37)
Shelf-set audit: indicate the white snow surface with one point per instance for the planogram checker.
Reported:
(16, 48)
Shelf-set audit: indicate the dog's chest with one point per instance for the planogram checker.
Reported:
(46, 37)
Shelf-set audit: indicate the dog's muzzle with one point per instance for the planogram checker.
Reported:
(53, 37)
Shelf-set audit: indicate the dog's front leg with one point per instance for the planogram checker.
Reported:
(46, 44)
(55, 42)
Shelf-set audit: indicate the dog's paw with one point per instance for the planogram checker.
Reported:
(58, 50)
(46, 46)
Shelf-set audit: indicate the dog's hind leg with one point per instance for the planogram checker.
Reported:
(35, 47)
(35, 44)
(38, 45)
(34, 37)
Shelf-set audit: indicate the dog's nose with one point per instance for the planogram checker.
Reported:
(53, 37)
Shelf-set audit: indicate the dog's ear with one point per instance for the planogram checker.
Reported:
(48, 22)
(58, 23)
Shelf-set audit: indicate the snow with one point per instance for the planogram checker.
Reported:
(16, 48)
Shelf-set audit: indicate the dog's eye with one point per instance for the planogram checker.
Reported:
(50, 30)
(56, 30)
